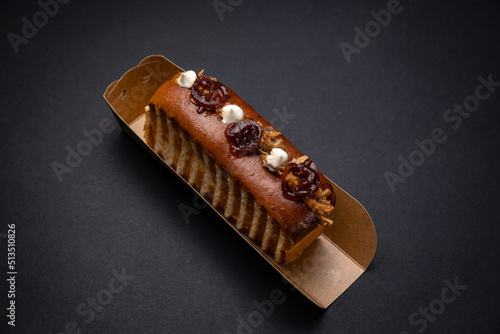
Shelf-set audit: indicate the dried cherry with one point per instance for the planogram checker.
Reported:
(244, 137)
(208, 93)
(308, 180)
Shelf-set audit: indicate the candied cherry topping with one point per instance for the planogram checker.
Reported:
(308, 180)
(208, 93)
(244, 137)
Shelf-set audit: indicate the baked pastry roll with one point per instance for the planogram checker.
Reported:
(242, 165)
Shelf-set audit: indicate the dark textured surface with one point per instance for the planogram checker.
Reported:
(119, 208)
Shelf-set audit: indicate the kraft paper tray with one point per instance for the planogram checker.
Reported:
(331, 263)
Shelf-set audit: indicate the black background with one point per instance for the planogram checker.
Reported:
(119, 209)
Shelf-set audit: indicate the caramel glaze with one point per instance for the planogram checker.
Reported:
(295, 217)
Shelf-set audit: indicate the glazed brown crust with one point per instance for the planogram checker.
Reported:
(295, 218)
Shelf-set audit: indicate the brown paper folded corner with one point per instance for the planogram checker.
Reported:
(330, 264)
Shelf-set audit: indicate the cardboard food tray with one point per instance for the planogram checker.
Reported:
(330, 264)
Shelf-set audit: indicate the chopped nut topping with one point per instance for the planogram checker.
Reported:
(321, 206)
(300, 160)
(319, 202)
(271, 138)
